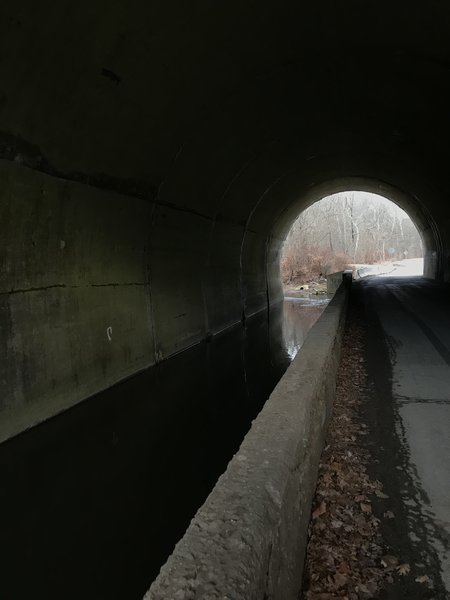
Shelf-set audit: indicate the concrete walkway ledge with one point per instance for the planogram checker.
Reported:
(247, 541)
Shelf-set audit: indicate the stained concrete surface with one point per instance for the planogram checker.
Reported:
(413, 318)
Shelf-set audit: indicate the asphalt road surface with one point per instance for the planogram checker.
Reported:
(408, 360)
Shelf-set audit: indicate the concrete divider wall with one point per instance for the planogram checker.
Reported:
(334, 280)
(247, 542)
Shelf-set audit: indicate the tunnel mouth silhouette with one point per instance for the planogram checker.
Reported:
(352, 230)
(412, 205)
(361, 232)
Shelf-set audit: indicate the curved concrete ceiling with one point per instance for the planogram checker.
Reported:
(154, 154)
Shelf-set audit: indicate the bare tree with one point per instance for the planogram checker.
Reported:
(350, 227)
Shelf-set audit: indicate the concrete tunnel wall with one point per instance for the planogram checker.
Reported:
(153, 156)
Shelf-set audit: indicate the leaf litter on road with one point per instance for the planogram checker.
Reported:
(346, 555)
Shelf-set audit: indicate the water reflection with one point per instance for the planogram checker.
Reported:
(99, 495)
(300, 314)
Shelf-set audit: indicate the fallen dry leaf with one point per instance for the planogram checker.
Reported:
(389, 562)
(320, 510)
(403, 569)
(422, 579)
(381, 494)
(336, 524)
(344, 568)
(340, 580)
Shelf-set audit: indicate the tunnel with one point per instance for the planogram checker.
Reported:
(153, 157)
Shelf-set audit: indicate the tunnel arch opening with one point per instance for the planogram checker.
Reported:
(410, 203)
(361, 231)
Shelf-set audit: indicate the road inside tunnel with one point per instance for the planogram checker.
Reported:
(408, 410)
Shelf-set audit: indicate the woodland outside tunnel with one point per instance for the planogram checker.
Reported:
(153, 156)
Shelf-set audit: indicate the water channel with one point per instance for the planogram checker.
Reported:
(300, 314)
(96, 498)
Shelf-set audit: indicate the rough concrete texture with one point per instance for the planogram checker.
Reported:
(247, 542)
(74, 294)
(162, 151)
(96, 286)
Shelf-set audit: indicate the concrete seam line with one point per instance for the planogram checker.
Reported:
(247, 541)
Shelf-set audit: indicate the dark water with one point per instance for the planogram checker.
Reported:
(300, 314)
(94, 500)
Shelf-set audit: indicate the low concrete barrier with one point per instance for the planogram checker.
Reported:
(334, 280)
(247, 542)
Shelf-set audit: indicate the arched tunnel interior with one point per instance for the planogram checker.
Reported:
(153, 156)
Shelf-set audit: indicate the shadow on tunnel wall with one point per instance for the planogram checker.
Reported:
(94, 500)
